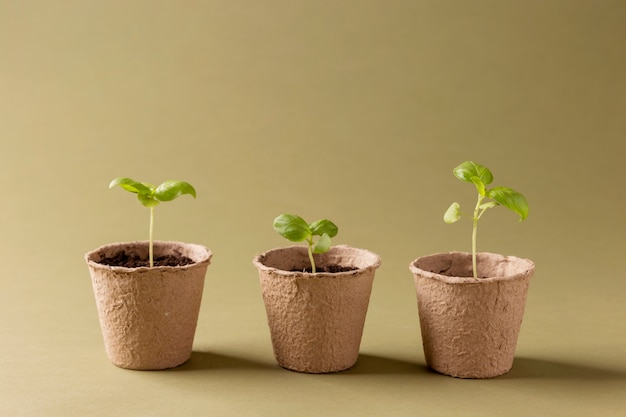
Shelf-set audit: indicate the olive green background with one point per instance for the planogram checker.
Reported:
(352, 110)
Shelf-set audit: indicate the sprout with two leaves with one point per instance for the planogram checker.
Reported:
(296, 229)
(480, 176)
(151, 196)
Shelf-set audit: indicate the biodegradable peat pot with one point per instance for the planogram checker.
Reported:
(470, 326)
(316, 320)
(148, 315)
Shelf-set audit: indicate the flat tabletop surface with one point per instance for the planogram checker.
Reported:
(352, 111)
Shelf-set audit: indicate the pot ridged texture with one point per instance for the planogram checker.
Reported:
(470, 327)
(316, 320)
(148, 316)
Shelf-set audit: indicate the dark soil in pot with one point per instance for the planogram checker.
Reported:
(131, 260)
(330, 269)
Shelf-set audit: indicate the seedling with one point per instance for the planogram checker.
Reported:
(296, 229)
(150, 196)
(480, 176)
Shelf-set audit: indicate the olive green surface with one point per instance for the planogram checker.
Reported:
(352, 110)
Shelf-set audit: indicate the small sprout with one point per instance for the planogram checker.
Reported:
(296, 229)
(453, 214)
(150, 196)
(480, 176)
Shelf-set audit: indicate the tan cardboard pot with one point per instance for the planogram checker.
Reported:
(148, 315)
(470, 326)
(316, 320)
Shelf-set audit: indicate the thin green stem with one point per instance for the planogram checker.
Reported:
(150, 247)
(310, 242)
(474, 234)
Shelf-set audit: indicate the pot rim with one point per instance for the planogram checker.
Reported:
(258, 261)
(205, 258)
(451, 279)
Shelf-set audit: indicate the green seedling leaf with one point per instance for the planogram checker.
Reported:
(150, 196)
(132, 185)
(467, 170)
(292, 227)
(296, 229)
(488, 205)
(170, 190)
(144, 191)
(322, 245)
(453, 214)
(480, 176)
(480, 186)
(147, 200)
(324, 226)
(510, 199)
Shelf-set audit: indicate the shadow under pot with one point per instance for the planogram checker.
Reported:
(148, 316)
(470, 326)
(316, 320)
